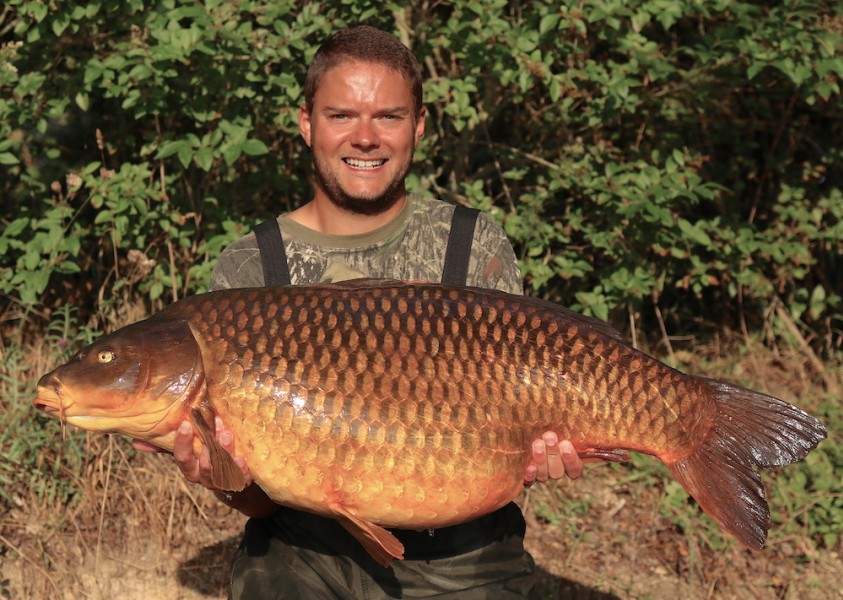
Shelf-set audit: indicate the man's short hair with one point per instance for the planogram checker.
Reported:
(367, 44)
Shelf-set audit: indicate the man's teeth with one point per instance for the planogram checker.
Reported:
(364, 164)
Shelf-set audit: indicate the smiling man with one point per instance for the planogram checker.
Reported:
(362, 125)
(362, 118)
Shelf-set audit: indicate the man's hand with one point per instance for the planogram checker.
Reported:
(552, 459)
(252, 501)
(195, 467)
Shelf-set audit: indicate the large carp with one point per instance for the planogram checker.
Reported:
(384, 404)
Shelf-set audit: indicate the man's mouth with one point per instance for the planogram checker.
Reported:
(365, 164)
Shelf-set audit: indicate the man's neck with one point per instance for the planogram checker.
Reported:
(322, 215)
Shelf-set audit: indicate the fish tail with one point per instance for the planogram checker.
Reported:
(750, 431)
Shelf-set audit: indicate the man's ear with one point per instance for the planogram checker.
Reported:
(420, 119)
(304, 124)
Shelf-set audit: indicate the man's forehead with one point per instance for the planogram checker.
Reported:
(366, 81)
(365, 66)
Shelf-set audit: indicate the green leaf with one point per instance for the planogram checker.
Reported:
(83, 101)
(548, 22)
(254, 147)
(174, 147)
(231, 153)
(694, 233)
(204, 157)
(185, 154)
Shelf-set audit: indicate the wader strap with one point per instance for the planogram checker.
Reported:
(273, 257)
(455, 271)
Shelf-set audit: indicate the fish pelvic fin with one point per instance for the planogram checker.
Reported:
(602, 455)
(225, 474)
(378, 542)
(750, 431)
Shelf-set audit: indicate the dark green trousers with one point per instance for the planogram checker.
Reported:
(301, 556)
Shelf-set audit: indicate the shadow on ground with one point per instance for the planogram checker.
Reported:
(207, 574)
(552, 587)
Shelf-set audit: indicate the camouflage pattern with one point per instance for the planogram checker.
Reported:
(410, 248)
(298, 555)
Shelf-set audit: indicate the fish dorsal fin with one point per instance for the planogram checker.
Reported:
(225, 474)
(378, 542)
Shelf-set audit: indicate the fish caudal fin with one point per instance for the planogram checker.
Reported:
(378, 542)
(750, 431)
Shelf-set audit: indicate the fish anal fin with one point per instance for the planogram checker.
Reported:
(225, 473)
(602, 454)
(378, 542)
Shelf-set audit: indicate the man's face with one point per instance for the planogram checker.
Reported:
(362, 129)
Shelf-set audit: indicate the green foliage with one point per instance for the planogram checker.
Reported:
(641, 155)
(650, 152)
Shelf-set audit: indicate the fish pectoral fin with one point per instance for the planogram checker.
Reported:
(225, 473)
(602, 454)
(378, 542)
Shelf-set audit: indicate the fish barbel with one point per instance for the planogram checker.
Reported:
(369, 401)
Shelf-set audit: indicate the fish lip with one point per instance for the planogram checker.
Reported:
(49, 399)
(46, 408)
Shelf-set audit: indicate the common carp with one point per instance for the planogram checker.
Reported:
(368, 402)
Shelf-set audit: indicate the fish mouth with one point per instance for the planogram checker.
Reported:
(49, 400)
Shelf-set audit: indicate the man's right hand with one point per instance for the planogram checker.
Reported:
(196, 468)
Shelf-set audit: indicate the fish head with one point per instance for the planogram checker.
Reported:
(140, 380)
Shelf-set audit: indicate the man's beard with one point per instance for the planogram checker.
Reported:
(361, 205)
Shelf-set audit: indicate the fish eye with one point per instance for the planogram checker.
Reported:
(105, 356)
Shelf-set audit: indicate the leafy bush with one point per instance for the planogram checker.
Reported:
(642, 155)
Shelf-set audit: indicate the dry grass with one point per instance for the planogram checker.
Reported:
(137, 530)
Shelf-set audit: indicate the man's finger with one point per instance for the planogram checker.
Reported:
(555, 466)
(540, 460)
(183, 452)
(573, 465)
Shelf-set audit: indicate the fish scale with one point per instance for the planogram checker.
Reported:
(385, 404)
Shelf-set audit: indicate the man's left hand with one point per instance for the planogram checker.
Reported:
(552, 459)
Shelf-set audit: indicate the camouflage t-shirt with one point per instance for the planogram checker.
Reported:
(411, 248)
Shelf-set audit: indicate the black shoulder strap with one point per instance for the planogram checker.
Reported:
(273, 257)
(455, 271)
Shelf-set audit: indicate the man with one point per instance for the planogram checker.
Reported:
(362, 118)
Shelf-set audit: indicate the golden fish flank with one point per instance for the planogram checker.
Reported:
(355, 400)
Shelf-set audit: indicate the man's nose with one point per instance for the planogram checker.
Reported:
(365, 134)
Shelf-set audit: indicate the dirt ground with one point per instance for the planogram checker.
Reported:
(614, 545)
